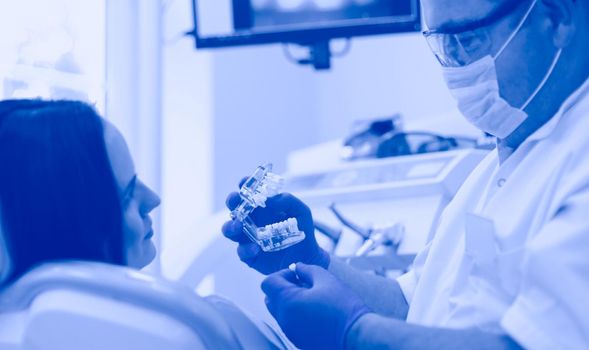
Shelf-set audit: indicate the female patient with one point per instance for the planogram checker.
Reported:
(69, 189)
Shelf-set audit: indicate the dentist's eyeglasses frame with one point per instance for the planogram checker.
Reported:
(457, 45)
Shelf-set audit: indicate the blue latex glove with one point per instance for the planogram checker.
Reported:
(278, 208)
(313, 308)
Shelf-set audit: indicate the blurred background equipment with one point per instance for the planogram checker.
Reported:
(419, 142)
(376, 195)
(367, 135)
(309, 23)
(383, 138)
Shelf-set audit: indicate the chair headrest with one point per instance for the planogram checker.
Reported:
(126, 285)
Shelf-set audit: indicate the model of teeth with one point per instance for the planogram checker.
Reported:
(269, 187)
(286, 227)
(254, 193)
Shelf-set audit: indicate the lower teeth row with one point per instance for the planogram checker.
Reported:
(279, 228)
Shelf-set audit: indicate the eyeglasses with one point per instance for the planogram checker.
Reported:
(467, 43)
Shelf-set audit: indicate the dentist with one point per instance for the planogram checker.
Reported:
(509, 264)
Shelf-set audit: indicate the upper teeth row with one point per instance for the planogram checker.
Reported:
(269, 187)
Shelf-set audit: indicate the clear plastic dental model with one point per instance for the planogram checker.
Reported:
(262, 185)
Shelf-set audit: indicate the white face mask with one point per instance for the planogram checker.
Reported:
(476, 89)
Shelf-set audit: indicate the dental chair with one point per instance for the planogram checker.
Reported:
(91, 306)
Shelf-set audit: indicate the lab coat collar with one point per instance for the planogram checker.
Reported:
(547, 129)
(504, 151)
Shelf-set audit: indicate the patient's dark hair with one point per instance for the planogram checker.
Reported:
(58, 194)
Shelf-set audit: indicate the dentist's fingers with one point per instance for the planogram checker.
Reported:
(233, 230)
(279, 282)
(233, 200)
(248, 252)
(308, 273)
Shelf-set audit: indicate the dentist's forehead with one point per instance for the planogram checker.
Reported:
(442, 13)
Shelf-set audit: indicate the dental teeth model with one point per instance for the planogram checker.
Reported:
(254, 192)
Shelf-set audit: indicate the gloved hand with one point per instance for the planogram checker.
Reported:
(313, 308)
(278, 208)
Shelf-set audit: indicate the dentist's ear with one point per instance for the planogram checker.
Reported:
(563, 16)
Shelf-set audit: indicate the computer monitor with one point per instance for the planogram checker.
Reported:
(224, 23)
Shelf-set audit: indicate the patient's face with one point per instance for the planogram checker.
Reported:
(138, 200)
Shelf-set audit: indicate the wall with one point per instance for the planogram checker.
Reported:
(187, 167)
(264, 107)
(381, 76)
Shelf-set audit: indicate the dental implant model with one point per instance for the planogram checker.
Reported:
(254, 192)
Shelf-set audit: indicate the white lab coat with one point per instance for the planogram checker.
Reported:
(511, 252)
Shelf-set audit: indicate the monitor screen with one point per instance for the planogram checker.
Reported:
(221, 23)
